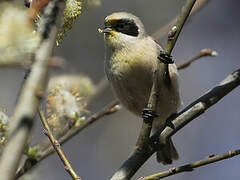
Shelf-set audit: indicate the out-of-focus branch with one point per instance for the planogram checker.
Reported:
(190, 167)
(165, 29)
(53, 62)
(22, 121)
(46, 151)
(202, 53)
(159, 76)
(198, 107)
(57, 147)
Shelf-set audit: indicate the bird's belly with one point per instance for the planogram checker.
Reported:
(133, 93)
(132, 85)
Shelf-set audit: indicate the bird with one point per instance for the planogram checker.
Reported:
(131, 57)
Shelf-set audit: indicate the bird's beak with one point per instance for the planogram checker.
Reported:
(105, 30)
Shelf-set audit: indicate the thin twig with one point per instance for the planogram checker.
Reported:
(159, 76)
(190, 167)
(173, 36)
(57, 147)
(198, 107)
(175, 31)
(165, 29)
(46, 151)
(22, 121)
(202, 53)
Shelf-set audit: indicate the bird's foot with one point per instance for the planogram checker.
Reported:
(148, 115)
(165, 58)
(170, 119)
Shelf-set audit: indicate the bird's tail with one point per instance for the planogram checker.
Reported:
(167, 153)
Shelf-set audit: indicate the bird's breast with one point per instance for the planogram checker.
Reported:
(130, 72)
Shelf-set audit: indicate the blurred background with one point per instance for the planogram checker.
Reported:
(98, 151)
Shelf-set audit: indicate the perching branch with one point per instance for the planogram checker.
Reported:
(198, 107)
(159, 76)
(190, 167)
(202, 53)
(163, 74)
(45, 151)
(57, 147)
(53, 62)
(22, 121)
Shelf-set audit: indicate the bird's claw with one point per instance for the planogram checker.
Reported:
(148, 115)
(169, 120)
(165, 58)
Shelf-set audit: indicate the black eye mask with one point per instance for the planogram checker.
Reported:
(125, 26)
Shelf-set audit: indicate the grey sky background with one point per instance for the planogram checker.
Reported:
(99, 150)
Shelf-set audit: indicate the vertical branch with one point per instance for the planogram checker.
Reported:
(152, 103)
(23, 118)
(148, 115)
(128, 169)
(57, 147)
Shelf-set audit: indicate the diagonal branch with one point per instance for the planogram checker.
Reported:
(53, 62)
(57, 147)
(22, 121)
(198, 107)
(190, 167)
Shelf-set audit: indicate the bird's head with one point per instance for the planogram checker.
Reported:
(122, 28)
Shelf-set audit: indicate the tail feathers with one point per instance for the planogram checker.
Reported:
(167, 154)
